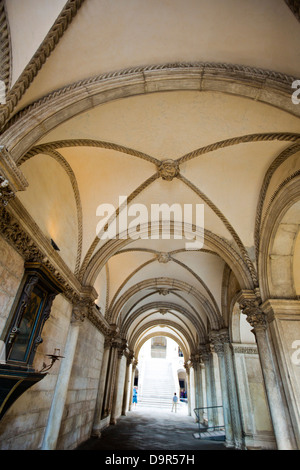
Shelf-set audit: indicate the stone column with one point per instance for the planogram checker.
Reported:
(187, 368)
(125, 405)
(276, 399)
(100, 397)
(61, 389)
(218, 342)
(120, 353)
(196, 364)
(206, 353)
(202, 394)
(233, 393)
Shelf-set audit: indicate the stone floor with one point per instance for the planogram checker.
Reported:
(152, 429)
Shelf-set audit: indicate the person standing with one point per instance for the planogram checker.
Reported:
(175, 401)
(134, 396)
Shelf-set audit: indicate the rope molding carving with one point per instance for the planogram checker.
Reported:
(213, 316)
(159, 305)
(227, 225)
(231, 71)
(249, 138)
(184, 266)
(185, 329)
(221, 245)
(86, 143)
(177, 327)
(263, 137)
(284, 155)
(5, 47)
(278, 189)
(200, 280)
(63, 162)
(46, 48)
(135, 271)
(93, 246)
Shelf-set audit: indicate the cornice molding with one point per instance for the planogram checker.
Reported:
(33, 249)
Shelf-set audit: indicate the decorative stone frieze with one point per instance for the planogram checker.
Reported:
(22, 242)
(245, 349)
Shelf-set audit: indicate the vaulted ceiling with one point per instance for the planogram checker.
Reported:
(121, 88)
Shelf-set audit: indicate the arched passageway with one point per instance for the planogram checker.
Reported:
(150, 196)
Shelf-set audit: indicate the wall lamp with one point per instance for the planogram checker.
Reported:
(54, 357)
(54, 245)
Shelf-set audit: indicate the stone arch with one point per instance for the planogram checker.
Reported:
(31, 123)
(197, 322)
(144, 339)
(215, 319)
(217, 244)
(279, 240)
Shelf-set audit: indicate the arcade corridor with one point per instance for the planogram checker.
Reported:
(149, 194)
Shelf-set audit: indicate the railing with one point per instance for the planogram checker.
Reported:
(202, 424)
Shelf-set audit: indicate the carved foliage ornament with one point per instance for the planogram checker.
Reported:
(5, 192)
(255, 315)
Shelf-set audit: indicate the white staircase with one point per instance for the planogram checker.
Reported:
(157, 387)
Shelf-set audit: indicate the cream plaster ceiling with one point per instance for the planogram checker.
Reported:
(109, 36)
(35, 19)
(112, 150)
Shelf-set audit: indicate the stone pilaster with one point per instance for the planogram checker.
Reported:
(218, 339)
(129, 361)
(251, 307)
(61, 389)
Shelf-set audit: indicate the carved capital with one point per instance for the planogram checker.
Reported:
(129, 358)
(218, 339)
(205, 352)
(255, 315)
(80, 311)
(168, 169)
(195, 360)
(11, 172)
(6, 192)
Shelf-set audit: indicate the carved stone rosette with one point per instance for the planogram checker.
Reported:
(163, 257)
(168, 169)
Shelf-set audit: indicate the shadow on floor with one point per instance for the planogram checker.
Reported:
(152, 429)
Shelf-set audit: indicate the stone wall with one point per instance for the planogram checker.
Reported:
(23, 426)
(79, 411)
(11, 273)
